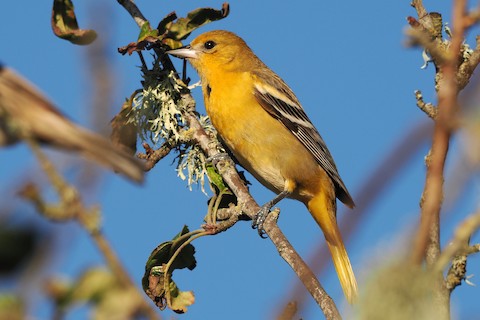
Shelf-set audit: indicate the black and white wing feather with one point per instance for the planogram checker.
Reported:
(280, 102)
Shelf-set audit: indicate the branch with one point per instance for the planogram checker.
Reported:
(246, 203)
(72, 207)
(449, 82)
(459, 243)
(428, 233)
(154, 156)
(250, 207)
(133, 10)
(428, 108)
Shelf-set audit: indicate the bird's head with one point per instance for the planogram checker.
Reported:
(217, 50)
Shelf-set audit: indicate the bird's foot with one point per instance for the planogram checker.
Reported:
(260, 218)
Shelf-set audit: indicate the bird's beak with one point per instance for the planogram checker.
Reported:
(184, 52)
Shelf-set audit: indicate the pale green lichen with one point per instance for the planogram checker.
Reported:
(193, 161)
(156, 111)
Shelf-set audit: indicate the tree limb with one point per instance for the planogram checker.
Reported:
(248, 205)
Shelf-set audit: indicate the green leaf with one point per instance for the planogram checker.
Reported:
(146, 31)
(65, 26)
(164, 251)
(215, 178)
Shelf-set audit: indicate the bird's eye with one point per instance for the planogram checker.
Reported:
(209, 45)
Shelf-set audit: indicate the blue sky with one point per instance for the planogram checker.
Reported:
(347, 63)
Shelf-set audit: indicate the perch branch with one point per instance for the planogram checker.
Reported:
(250, 208)
(248, 205)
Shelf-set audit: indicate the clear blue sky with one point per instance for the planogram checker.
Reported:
(346, 62)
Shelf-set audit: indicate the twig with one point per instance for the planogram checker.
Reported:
(418, 5)
(154, 156)
(459, 243)
(466, 69)
(428, 108)
(133, 10)
(428, 234)
(249, 207)
(88, 219)
(370, 190)
(427, 242)
(303, 272)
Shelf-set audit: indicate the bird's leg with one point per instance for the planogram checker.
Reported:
(261, 216)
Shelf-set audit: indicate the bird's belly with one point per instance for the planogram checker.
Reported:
(267, 149)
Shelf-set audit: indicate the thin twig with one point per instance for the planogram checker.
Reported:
(154, 156)
(459, 243)
(250, 208)
(370, 190)
(84, 217)
(428, 108)
(427, 242)
(428, 234)
(210, 147)
(133, 10)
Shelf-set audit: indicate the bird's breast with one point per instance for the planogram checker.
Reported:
(261, 143)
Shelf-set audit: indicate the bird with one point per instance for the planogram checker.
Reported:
(263, 124)
(27, 114)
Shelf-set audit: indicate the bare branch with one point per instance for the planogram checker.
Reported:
(459, 243)
(250, 208)
(133, 10)
(428, 233)
(210, 147)
(428, 108)
(89, 219)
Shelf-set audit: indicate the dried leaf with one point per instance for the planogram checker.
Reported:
(180, 300)
(124, 132)
(181, 29)
(157, 281)
(162, 25)
(172, 30)
(65, 26)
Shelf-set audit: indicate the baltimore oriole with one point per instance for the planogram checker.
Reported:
(262, 122)
(25, 113)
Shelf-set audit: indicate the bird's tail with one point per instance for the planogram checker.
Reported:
(323, 210)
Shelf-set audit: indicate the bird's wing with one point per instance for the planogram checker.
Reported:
(280, 102)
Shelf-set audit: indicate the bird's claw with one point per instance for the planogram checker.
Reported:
(259, 220)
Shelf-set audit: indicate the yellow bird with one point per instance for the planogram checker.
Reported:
(262, 122)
